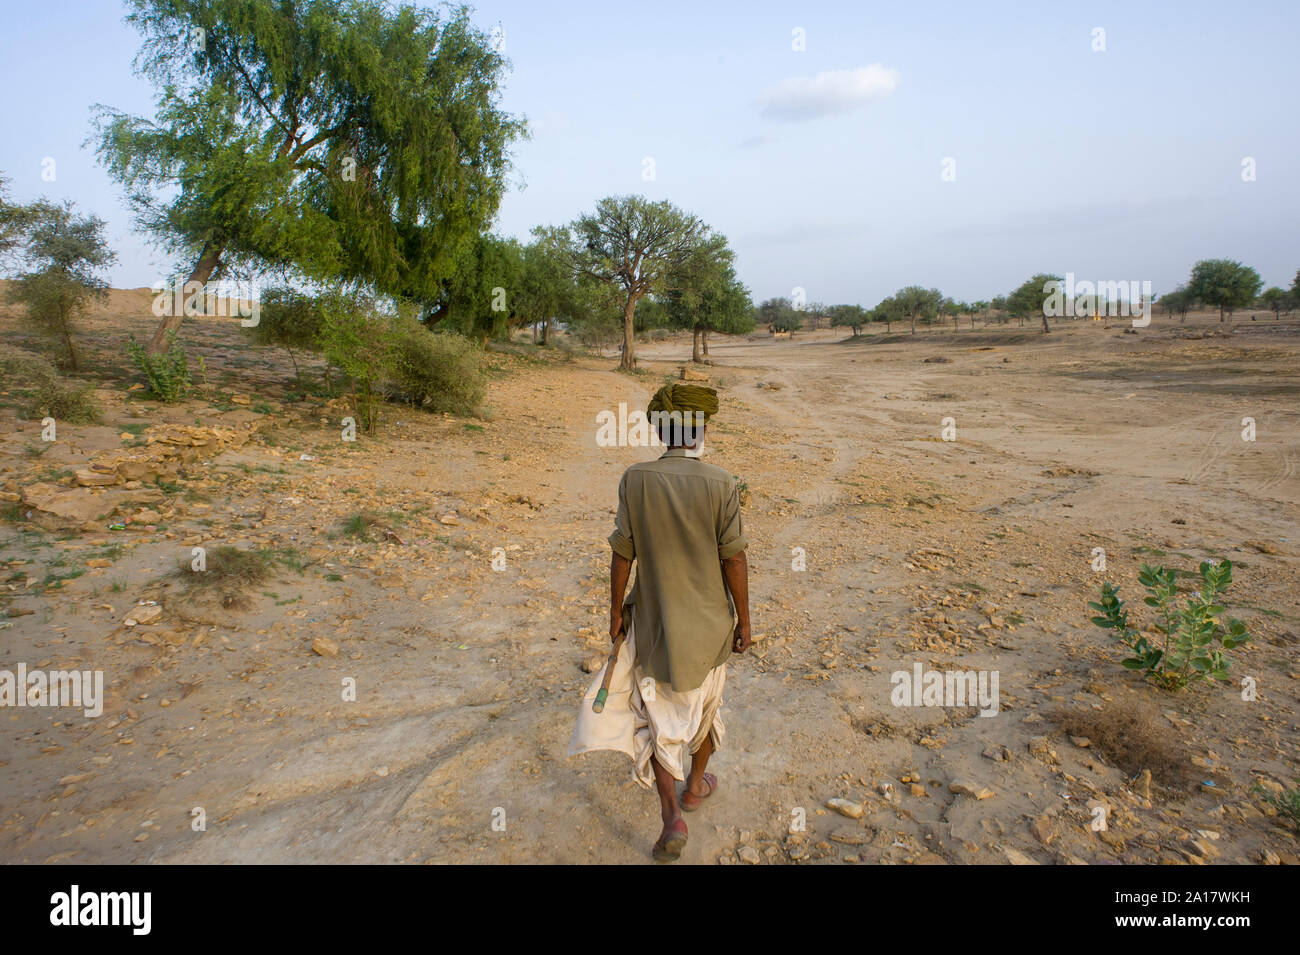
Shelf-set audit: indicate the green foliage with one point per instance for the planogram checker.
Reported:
(360, 340)
(349, 140)
(168, 374)
(482, 294)
(1185, 651)
(1287, 803)
(854, 316)
(1224, 284)
(779, 314)
(47, 394)
(598, 331)
(702, 294)
(1178, 302)
(1276, 300)
(633, 246)
(916, 302)
(436, 371)
(1030, 299)
(889, 310)
(65, 401)
(64, 253)
(290, 320)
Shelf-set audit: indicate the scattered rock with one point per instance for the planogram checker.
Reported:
(1142, 785)
(845, 807)
(965, 787)
(93, 478)
(1016, 857)
(325, 647)
(143, 614)
(748, 855)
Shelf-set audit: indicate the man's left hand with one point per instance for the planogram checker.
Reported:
(740, 643)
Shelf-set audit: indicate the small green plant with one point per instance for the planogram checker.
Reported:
(1287, 803)
(168, 374)
(1185, 651)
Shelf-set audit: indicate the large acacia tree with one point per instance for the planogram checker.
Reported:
(344, 140)
(635, 245)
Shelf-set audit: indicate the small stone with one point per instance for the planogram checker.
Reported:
(1142, 785)
(325, 647)
(143, 614)
(845, 808)
(1016, 857)
(449, 518)
(1045, 830)
(917, 790)
(87, 478)
(748, 855)
(1081, 741)
(966, 788)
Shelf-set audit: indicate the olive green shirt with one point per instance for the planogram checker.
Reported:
(679, 518)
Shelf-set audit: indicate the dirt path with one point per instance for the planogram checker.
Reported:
(968, 554)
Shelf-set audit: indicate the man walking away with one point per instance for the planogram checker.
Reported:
(688, 611)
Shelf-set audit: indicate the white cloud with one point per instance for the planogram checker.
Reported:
(831, 91)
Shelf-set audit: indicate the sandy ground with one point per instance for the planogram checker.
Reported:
(974, 553)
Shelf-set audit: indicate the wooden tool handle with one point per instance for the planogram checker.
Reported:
(598, 704)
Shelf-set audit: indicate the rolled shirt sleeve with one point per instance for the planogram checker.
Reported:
(621, 539)
(731, 529)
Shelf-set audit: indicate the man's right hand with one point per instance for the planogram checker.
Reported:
(615, 624)
(741, 641)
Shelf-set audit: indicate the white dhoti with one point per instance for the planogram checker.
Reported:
(645, 718)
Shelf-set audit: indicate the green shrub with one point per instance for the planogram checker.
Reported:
(168, 374)
(1186, 653)
(290, 320)
(48, 394)
(65, 401)
(437, 371)
(357, 338)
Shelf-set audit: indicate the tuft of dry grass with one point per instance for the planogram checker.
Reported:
(229, 572)
(1134, 736)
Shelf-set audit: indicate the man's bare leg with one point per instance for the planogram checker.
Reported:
(667, 787)
(673, 838)
(699, 762)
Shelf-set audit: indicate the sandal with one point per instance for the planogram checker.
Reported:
(690, 802)
(671, 842)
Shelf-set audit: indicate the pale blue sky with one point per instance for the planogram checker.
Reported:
(1122, 164)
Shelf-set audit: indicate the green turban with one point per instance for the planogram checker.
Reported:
(685, 399)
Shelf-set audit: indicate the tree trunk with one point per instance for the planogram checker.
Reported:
(534, 333)
(628, 361)
(704, 340)
(695, 344)
(1045, 328)
(546, 332)
(1220, 313)
(209, 258)
(66, 326)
